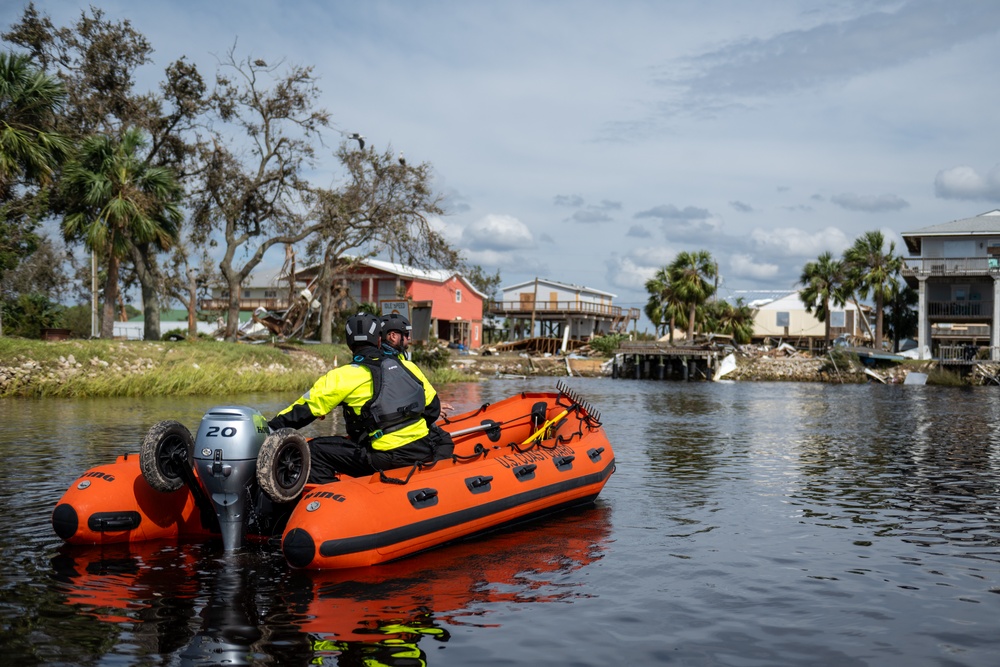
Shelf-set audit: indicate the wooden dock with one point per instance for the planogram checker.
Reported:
(654, 360)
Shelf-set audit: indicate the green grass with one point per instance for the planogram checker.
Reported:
(942, 377)
(80, 368)
(449, 375)
(85, 368)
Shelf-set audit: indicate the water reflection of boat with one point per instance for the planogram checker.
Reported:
(152, 590)
(252, 607)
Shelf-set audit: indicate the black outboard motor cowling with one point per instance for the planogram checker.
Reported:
(225, 461)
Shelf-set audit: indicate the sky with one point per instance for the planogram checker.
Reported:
(590, 142)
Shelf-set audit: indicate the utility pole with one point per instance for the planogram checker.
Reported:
(534, 300)
(94, 331)
(715, 294)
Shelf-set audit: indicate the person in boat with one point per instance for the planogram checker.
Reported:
(395, 339)
(385, 399)
(396, 334)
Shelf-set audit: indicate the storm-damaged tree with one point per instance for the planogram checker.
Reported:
(112, 199)
(824, 285)
(690, 273)
(173, 126)
(254, 194)
(873, 268)
(31, 150)
(96, 60)
(384, 208)
(188, 278)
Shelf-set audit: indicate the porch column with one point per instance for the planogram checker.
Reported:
(923, 326)
(995, 329)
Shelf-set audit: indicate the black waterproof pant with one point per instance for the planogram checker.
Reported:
(330, 455)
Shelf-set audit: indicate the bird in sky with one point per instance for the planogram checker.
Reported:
(360, 139)
(402, 160)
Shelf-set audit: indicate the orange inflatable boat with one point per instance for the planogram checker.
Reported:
(528, 455)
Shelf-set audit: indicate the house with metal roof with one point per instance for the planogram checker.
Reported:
(548, 308)
(441, 304)
(955, 268)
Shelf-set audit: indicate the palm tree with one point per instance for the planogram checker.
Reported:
(663, 307)
(901, 314)
(30, 150)
(735, 320)
(824, 284)
(689, 275)
(113, 200)
(873, 270)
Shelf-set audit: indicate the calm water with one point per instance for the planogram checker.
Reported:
(747, 524)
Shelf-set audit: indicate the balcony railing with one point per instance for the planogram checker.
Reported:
(978, 331)
(960, 310)
(951, 266)
(543, 308)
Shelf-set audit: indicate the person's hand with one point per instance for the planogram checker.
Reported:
(446, 408)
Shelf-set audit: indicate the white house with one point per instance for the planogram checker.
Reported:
(955, 268)
(782, 315)
(559, 308)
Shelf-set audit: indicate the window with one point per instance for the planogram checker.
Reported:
(458, 296)
(270, 294)
(783, 319)
(246, 294)
(838, 318)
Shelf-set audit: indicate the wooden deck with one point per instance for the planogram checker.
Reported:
(654, 360)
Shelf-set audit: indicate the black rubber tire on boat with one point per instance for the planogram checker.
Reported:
(283, 465)
(167, 445)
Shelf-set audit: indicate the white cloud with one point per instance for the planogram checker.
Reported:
(498, 232)
(796, 244)
(744, 266)
(966, 183)
(624, 273)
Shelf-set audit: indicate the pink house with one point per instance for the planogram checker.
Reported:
(440, 304)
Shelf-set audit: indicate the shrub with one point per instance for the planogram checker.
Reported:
(28, 314)
(607, 345)
(430, 357)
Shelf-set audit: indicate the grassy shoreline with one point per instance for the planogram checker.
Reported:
(116, 368)
(102, 368)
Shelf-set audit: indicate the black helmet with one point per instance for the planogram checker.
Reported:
(395, 322)
(362, 329)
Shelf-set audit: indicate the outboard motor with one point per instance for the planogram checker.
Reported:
(225, 461)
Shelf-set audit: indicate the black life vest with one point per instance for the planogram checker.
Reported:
(397, 400)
